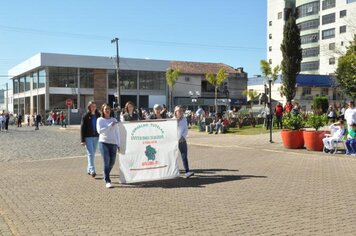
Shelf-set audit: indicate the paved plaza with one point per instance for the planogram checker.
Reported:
(243, 186)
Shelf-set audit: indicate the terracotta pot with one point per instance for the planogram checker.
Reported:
(292, 139)
(313, 140)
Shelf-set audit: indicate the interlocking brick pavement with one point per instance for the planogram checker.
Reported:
(243, 186)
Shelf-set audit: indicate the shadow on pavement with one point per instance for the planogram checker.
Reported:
(201, 179)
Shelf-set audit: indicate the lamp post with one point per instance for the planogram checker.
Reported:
(194, 96)
(116, 40)
(270, 108)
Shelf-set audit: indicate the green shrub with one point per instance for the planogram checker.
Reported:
(293, 122)
(316, 121)
(320, 104)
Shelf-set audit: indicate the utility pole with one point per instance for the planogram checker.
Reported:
(116, 40)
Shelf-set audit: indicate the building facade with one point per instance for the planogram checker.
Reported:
(44, 82)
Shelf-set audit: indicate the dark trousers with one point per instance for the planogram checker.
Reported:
(268, 122)
(279, 122)
(183, 148)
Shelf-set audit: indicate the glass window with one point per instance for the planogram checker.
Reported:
(307, 66)
(63, 77)
(308, 9)
(86, 78)
(128, 79)
(311, 24)
(270, 48)
(310, 52)
(306, 91)
(310, 38)
(332, 61)
(350, 1)
(41, 79)
(270, 23)
(150, 80)
(279, 15)
(16, 85)
(34, 77)
(329, 33)
(22, 85)
(270, 61)
(342, 13)
(27, 83)
(270, 36)
(331, 46)
(324, 91)
(326, 4)
(343, 29)
(329, 18)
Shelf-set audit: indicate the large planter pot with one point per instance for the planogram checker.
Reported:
(313, 140)
(292, 139)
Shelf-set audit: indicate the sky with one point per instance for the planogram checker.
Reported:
(229, 31)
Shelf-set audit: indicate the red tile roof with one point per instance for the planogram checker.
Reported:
(186, 67)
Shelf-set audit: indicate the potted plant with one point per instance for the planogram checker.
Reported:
(313, 139)
(292, 135)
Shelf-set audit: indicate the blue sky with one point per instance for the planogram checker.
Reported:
(229, 31)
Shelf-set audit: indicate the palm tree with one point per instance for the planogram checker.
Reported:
(267, 70)
(216, 81)
(251, 94)
(171, 78)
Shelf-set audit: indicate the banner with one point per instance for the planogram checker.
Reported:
(148, 150)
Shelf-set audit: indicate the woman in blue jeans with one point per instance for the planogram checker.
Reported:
(109, 141)
(90, 136)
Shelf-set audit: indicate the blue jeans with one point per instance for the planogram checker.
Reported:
(108, 152)
(351, 146)
(91, 143)
(183, 148)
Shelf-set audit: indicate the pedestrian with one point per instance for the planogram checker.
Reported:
(278, 111)
(350, 114)
(182, 142)
(268, 116)
(38, 121)
(19, 120)
(288, 107)
(2, 122)
(157, 112)
(7, 119)
(109, 141)
(130, 113)
(351, 141)
(90, 136)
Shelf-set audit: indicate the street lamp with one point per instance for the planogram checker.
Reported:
(116, 40)
(270, 108)
(194, 96)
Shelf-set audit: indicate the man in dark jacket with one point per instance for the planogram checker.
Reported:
(38, 121)
(89, 135)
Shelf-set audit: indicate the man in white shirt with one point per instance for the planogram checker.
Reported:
(350, 114)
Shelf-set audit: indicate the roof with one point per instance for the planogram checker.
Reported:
(201, 67)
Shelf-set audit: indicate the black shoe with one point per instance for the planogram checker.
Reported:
(93, 174)
(332, 151)
(216, 132)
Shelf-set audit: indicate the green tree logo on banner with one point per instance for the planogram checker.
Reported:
(150, 153)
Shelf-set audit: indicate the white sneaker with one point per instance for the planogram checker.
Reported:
(108, 185)
(189, 174)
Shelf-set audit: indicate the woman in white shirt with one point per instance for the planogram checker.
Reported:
(109, 141)
(182, 135)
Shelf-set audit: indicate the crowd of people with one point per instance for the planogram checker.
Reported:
(99, 129)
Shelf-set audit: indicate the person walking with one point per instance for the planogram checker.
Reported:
(130, 114)
(90, 136)
(38, 119)
(109, 141)
(278, 111)
(182, 142)
(19, 120)
(7, 119)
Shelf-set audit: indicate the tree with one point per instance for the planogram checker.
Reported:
(216, 81)
(251, 94)
(267, 70)
(292, 56)
(346, 70)
(171, 78)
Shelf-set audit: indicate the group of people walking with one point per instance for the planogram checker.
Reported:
(100, 129)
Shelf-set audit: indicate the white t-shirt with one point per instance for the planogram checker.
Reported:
(350, 115)
(107, 132)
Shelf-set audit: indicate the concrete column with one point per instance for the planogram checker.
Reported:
(47, 102)
(100, 87)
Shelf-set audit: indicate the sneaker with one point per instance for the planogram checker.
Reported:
(93, 174)
(189, 174)
(108, 185)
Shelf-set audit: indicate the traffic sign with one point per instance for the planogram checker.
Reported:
(69, 102)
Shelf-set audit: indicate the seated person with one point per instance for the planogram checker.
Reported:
(351, 142)
(338, 131)
(217, 124)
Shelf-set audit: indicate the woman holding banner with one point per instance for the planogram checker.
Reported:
(109, 141)
(130, 114)
(182, 135)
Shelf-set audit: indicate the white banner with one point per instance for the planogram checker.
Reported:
(148, 150)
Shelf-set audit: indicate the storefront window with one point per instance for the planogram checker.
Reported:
(128, 79)
(151, 80)
(34, 80)
(16, 86)
(41, 79)
(63, 77)
(86, 78)
(22, 85)
(27, 83)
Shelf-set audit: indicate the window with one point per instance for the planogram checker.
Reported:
(312, 24)
(270, 36)
(27, 83)
(332, 61)
(343, 29)
(327, 34)
(310, 38)
(342, 13)
(342, 43)
(308, 9)
(331, 46)
(306, 91)
(324, 92)
(279, 15)
(62, 77)
(326, 4)
(16, 86)
(307, 66)
(34, 77)
(150, 80)
(270, 23)
(270, 61)
(42, 79)
(329, 18)
(350, 1)
(310, 52)
(270, 48)
(86, 78)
